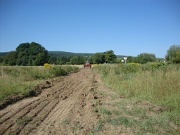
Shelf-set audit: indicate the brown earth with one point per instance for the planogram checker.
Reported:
(68, 107)
(64, 108)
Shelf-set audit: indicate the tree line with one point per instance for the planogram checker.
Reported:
(34, 54)
(172, 56)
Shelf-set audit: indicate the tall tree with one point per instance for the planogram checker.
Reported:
(173, 54)
(52, 60)
(63, 60)
(77, 60)
(11, 58)
(131, 59)
(146, 57)
(81, 59)
(1, 59)
(98, 58)
(110, 57)
(31, 54)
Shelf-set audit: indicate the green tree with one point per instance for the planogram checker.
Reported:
(110, 57)
(146, 57)
(52, 60)
(98, 58)
(177, 56)
(74, 60)
(11, 58)
(173, 54)
(131, 59)
(77, 60)
(81, 59)
(1, 59)
(63, 60)
(31, 54)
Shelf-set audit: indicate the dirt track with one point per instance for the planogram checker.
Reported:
(63, 109)
(80, 104)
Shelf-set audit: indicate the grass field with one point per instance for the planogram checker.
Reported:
(157, 84)
(136, 89)
(20, 80)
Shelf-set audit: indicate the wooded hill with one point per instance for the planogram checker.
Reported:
(33, 54)
(64, 53)
(3, 53)
(67, 54)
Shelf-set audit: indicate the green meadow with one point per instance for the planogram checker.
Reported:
(157, 83)
(16, 80)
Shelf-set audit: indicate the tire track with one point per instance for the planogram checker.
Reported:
(60, 113)
(73, 92)
(17, 119)
(39, 118)
(11, 113)
(46, 114)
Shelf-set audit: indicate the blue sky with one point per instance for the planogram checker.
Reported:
(128, 27)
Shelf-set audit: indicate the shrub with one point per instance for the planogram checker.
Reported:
(58, 71)
(47, 65)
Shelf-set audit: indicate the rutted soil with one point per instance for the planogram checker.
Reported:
(74, 105)
(34, 92)
(54, 109)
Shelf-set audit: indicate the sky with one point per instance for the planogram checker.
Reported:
(128, 27)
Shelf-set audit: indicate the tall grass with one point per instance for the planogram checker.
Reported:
(158, 84)
(20, 80)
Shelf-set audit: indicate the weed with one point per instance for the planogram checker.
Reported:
(99, 126)
(24, 120)
(122, 120)
(58, 71)
(21, 80)
(99, 92)
(156, 83)
(116, 112)
(105, 111)
(138, 112)
(66, 122)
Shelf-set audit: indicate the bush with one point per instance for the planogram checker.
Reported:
(173, 54)
(58, 71)
(47, 65)
(68, 68)
(130, 68)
